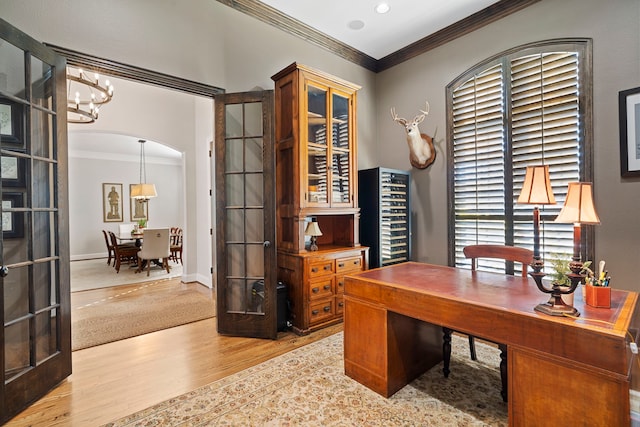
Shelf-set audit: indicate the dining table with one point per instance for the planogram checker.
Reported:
(128, 237)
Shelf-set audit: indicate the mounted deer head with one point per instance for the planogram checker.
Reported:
(422, 152)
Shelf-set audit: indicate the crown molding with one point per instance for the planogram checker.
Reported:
(274, 17)
(131, 72)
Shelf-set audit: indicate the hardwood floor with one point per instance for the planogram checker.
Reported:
(119, 378)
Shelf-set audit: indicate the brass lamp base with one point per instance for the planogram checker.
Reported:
(554, 309)
(555, 306)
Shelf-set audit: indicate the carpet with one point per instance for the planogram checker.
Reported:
(134, 313)
(96, 274)
(307, 386)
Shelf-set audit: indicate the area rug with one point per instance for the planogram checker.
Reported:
(307, 386)
(136, 313)
(96, 273)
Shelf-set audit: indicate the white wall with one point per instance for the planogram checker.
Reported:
(200, 40)
(208, 42)
(87, 173)
(614, 27)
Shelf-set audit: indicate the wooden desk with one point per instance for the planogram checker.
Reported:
(560, 370)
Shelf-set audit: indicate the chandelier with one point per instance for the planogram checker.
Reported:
(143, 191)
(85, 95)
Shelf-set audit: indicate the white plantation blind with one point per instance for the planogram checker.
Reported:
(521, 109)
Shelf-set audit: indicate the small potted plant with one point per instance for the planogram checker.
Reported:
(560, 264)
(142, 223)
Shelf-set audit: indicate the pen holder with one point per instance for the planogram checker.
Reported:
(598, 296)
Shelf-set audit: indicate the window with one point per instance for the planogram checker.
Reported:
(528, 106)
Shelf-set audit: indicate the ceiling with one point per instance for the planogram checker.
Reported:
(406, 22)
(352, 29)
(111, 146)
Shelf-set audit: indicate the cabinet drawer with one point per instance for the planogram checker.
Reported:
(340, 284)
(339, 305)
(320, 268)
(321, 288)
(321, 310)
(344, 265)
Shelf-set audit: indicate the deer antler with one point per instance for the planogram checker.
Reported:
(427, 109)
(395, 117)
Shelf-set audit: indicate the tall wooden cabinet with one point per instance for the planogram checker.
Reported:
(385, 206)
(316, 178)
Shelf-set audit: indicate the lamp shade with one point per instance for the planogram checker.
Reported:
(578, 206)
(313, 229)
(143, 191)
(536, 189)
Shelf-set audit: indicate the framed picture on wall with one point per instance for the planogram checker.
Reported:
(629, 115)
(13, 171)
(112, 202)
(139, 208)
(12, 222)
(11, 129)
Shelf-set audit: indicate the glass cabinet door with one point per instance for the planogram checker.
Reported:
(317, 146)
(340, 164)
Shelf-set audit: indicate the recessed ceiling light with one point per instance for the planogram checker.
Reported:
(356, 24)
(382, 8)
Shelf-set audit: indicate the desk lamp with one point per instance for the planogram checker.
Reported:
(578, 209)
(536, 190)
(313, 230)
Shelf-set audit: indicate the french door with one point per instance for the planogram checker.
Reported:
(34, 263)
(245, 214)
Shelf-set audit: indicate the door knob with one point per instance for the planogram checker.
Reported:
(266, 244)
(4, 271)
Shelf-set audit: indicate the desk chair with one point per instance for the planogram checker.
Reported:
(507, 253)
(155, 246)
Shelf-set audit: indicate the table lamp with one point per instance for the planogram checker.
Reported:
(536, 190)
(578, 209)
(313, 230)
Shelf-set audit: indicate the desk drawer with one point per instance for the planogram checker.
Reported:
(320, 268)
(321, 288)
(321, 310)
(344, 265)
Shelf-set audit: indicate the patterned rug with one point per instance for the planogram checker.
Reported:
(307, 386)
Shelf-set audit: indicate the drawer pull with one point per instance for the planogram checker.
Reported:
(314, 270)
(341, 283)
(327, 267)
(341, 304)
(327, 287)
(315, 290)
(315, 312)
(356, 262)
(341, 265)
(327, 309)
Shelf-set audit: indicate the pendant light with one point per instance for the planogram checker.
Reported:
(143, 191)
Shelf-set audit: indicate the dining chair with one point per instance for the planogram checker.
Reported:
(110, 249)
(123, 253)
(474, 252)
(176, 244)
(125, 228)
(155, 246)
